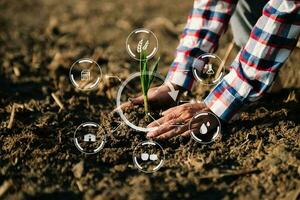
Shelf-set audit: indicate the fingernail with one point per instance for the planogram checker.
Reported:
(160, 138)
(150, 134)
(114, 111)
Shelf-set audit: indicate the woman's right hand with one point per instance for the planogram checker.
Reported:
(157, 97)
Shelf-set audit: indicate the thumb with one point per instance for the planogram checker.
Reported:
(129, 103)
(137, 100)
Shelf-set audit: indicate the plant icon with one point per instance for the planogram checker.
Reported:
(141, 47)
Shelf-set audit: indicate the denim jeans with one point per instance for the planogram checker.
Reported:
(244, 18)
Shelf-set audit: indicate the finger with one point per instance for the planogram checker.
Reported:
(162, 120)
(173, 119)
(123, 106)
(198, 106)
(170, 110)
(160, 130)
(137, 100)
(173, 132)
(167, 135)
(186, 133)
(130, 103)
(196, 123)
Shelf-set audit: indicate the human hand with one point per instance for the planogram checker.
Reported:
(157, 96)
(176, 121)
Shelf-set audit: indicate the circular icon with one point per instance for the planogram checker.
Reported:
(89, 138)
(141, 40)
(205, 127)
(85, 74)
(148, 156)
(207, 69)
(118, 102)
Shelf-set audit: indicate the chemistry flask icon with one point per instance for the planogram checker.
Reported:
(209, 69)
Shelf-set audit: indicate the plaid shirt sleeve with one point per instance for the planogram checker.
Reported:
(207, 21)
(270, 43)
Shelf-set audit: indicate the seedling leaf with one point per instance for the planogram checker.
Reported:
(153, 71)
(146, 76)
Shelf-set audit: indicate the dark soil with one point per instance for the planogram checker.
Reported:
(258, 156)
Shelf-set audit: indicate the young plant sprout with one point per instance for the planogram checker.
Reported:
(147, 77)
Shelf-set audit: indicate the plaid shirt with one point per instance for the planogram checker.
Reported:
(271, 41)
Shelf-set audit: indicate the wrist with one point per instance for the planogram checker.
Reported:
(177, 87)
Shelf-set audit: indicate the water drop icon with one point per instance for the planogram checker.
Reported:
(203, 129)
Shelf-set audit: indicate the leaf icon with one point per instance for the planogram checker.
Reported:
(139, 46)
(146, 45)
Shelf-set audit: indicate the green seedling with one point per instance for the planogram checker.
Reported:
(146, 77)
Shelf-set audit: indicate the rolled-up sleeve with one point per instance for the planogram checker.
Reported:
(270, 43)
(206, 23)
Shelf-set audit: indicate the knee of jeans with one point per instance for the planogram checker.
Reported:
(240, 31)
(244, 19)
